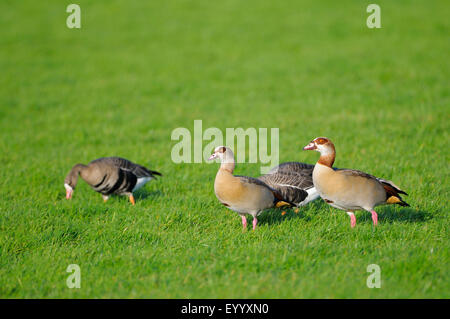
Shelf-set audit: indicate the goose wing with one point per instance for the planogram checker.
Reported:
(290, 186)
(126, 165)
(390, 188)
(278, 196)
(353, 172)
(292, 167)
(293, 180)
(295, 174)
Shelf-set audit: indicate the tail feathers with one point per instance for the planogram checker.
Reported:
(279, 201)
(142, 171)
(397, 200)
(393, 193)
(391, 184)
(156, 173)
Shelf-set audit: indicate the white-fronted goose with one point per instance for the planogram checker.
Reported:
(348, 189)
(110, 175)
(242, 194)
(293, 180)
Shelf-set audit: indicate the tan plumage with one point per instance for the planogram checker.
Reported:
(347, 189)
(242, 194)
(110, 175)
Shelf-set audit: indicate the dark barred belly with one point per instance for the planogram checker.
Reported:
(124, 184)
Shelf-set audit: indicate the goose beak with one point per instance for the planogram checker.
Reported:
(213, 156)
(310, 146)
(69, 190)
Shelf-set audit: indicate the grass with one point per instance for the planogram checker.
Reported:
(135, 71)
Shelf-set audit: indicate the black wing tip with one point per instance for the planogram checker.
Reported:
(156, 173)
(404, 204)
(398, 190)
(147, 172)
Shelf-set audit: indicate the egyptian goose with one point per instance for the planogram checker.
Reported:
(348, 189)
(293, 180)
(242, 194)
(110, 175)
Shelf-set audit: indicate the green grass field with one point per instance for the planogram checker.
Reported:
(137, 70)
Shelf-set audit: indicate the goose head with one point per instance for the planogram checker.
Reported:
(322, 145)
(226, 156)
(72, 178)
(69, 190)
(326, 149)
(224, 153)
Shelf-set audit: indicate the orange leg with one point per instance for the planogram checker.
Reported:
(132, 199)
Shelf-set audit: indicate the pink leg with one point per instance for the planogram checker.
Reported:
(255, 221)
(244, 222)
(374, 217)
(352, 219)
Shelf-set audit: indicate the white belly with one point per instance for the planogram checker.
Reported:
(345, 206)
(141, 182)
(312, 195)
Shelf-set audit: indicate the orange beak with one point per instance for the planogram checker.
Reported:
(69, 193)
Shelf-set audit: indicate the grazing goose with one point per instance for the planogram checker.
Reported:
(242, 194)
(110, 175)
(348, 189)
(293, 180)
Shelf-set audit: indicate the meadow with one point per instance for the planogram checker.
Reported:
(137, 70)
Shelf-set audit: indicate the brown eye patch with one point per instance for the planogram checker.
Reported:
(222, 150)
(321, 140)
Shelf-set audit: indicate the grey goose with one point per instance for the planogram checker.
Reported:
(110, 175)
(293, 180)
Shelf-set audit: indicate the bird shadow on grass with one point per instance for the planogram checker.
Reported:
(276, 216)
(273, 216)
(143, 194)
(387, 214)
(390, 214)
